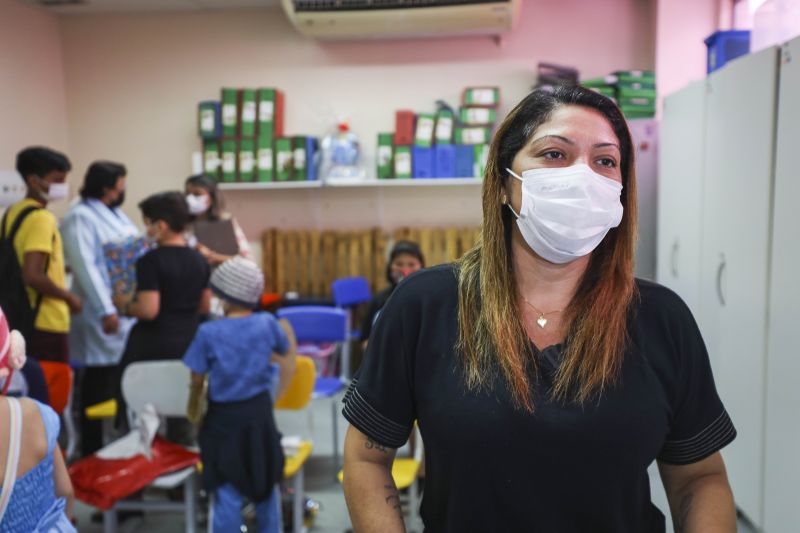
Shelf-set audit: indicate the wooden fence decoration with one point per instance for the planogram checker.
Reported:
(307, 261)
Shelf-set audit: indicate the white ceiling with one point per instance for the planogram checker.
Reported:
(144, 6)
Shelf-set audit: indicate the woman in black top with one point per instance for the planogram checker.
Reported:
(545, 379)
(404, 259)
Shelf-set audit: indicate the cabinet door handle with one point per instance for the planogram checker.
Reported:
(720, 269)
(673, 258)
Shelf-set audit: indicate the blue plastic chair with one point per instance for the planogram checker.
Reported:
(347, 293)
(313, 323)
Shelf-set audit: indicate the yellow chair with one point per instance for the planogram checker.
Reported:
(296, 397)
(405, 471)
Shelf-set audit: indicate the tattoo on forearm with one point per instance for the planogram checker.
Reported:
(683, 513)
(372, 445)
(393, 499)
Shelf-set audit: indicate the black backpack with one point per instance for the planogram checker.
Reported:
(13, 295)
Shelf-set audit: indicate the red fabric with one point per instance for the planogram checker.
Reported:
(58, 377)
(101, 482)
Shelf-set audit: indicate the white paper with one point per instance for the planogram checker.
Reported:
(444, 129)
(265, 159)
(249, 112)
(402, 164)
(229, 114)
(246, 161)
(299, 158)
(138, 441)
(207, 120)
(228, 162)
(424, 129)
(266, 110)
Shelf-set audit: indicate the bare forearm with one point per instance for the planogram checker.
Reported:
(705, 505)
(44, 285)
(372, 498)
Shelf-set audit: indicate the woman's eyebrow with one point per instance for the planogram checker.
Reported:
(559, 137)
(603, 145)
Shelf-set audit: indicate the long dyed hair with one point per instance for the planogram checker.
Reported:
(492, 338)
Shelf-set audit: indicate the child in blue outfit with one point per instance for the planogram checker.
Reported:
(239, 442)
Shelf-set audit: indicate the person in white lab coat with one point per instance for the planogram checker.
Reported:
(98, 335)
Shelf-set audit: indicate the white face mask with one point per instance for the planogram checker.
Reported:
(57, 191)
(566, 212)
(198, 203)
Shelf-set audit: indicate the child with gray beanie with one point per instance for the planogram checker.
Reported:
(239, 441)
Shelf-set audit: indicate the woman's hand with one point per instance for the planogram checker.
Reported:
(213, 258)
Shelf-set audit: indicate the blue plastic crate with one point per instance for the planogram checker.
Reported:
(444, 165)
(465, 157)
(422, 162)
(723, 46)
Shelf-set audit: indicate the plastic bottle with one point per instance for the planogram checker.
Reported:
(341, 154)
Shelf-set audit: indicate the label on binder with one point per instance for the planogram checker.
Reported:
(249, 112)
(402, 163)
(229, 114)
(265, 159)
(246, 162)
(384, 155)
(266, 110)
(228, 162)
(300, 158)
(207, 120)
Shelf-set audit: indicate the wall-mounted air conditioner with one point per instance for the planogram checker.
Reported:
(385, 19)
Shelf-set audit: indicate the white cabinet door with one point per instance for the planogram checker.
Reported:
(740, 123)
(680, 193)
(645, 140)
(782, 472)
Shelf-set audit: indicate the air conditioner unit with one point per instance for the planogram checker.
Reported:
(386, 19)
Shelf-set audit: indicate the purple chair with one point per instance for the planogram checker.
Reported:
(320, 324)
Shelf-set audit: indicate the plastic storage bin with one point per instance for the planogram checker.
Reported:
(724, 46)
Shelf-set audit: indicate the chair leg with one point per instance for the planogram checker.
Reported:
(335, 423)
(110, 521)
(190, 502)
(413, 503)
(297, 501)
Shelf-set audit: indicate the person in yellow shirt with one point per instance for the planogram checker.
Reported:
(40, 252)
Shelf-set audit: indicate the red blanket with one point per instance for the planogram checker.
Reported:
(101, 482)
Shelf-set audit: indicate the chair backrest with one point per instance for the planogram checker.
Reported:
(298, 394)
(313, 323)
(165, 384)
(350, 291)
(58, 378)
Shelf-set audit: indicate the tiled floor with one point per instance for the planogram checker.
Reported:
(321, 484)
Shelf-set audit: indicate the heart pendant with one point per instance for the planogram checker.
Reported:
(542, 321)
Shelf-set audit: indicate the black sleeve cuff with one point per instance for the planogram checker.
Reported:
(713, 438)
(358, 411)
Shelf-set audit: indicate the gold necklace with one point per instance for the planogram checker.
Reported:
(542, 321)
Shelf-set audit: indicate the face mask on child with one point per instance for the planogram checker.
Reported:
(198, 203)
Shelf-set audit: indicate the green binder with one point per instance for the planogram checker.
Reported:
(230, 104)
(228, 160)
(265, 161)
(247, 117)
(247, 160)
(385, 153)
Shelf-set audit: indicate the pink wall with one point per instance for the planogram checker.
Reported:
(133, 82)
(681, 27)
(32, 97)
